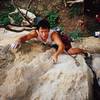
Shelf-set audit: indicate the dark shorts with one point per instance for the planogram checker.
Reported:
(55, 46)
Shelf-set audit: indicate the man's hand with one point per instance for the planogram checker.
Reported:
(15, 45)
(55, 58)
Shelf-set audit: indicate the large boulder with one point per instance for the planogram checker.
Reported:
(46, 80)
(6, 56)
(96, 64)
(21, 76)
(65, 81)
(90, 44)
(35, 76)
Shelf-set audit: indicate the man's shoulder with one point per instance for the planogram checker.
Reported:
(53, 32)
(34, 33)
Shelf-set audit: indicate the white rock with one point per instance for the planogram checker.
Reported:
(96, 64)
(65, 81)
(20, 77)
(16, 83)
(90, 44)
(45, 80)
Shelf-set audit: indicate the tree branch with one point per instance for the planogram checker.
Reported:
(25, 17)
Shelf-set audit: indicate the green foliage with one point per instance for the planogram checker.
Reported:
(7, 9)
(4, 20)
(75, 35)
(75, 10)
(17, 18)
(61, 27)
(52, 17)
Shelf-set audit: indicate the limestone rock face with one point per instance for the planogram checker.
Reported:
(90, 44)
(34, 76)
(15, 84)
(60, 81)
(21, 76)
(6, 56)
(65, 81)
(96, 64)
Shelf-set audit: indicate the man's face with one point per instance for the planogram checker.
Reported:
(43, 32)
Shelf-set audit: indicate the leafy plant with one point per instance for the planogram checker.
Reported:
(7, 8)
(75, 35)
(61, 27)
(52, 17)
(4, 20)
(17, 18)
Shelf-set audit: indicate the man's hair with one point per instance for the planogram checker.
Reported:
(44, 24)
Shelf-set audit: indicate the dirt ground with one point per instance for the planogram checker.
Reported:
(69, 24)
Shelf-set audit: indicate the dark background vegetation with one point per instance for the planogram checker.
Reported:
(58, 13)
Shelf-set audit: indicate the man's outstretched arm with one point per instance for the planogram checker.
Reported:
(55, 37)
(24, 38)
(27, 37)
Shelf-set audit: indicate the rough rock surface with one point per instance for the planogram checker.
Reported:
(34, 76)
(96, 64)
(65, 81)
(90, 44)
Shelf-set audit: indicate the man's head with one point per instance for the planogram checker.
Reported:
(43, 28)
(43, 24)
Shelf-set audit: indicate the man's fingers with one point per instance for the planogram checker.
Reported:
(54, 60)
(15, 45)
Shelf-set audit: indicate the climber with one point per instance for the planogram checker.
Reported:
(44, 34)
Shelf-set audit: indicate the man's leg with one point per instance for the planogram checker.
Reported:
(73, 51)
